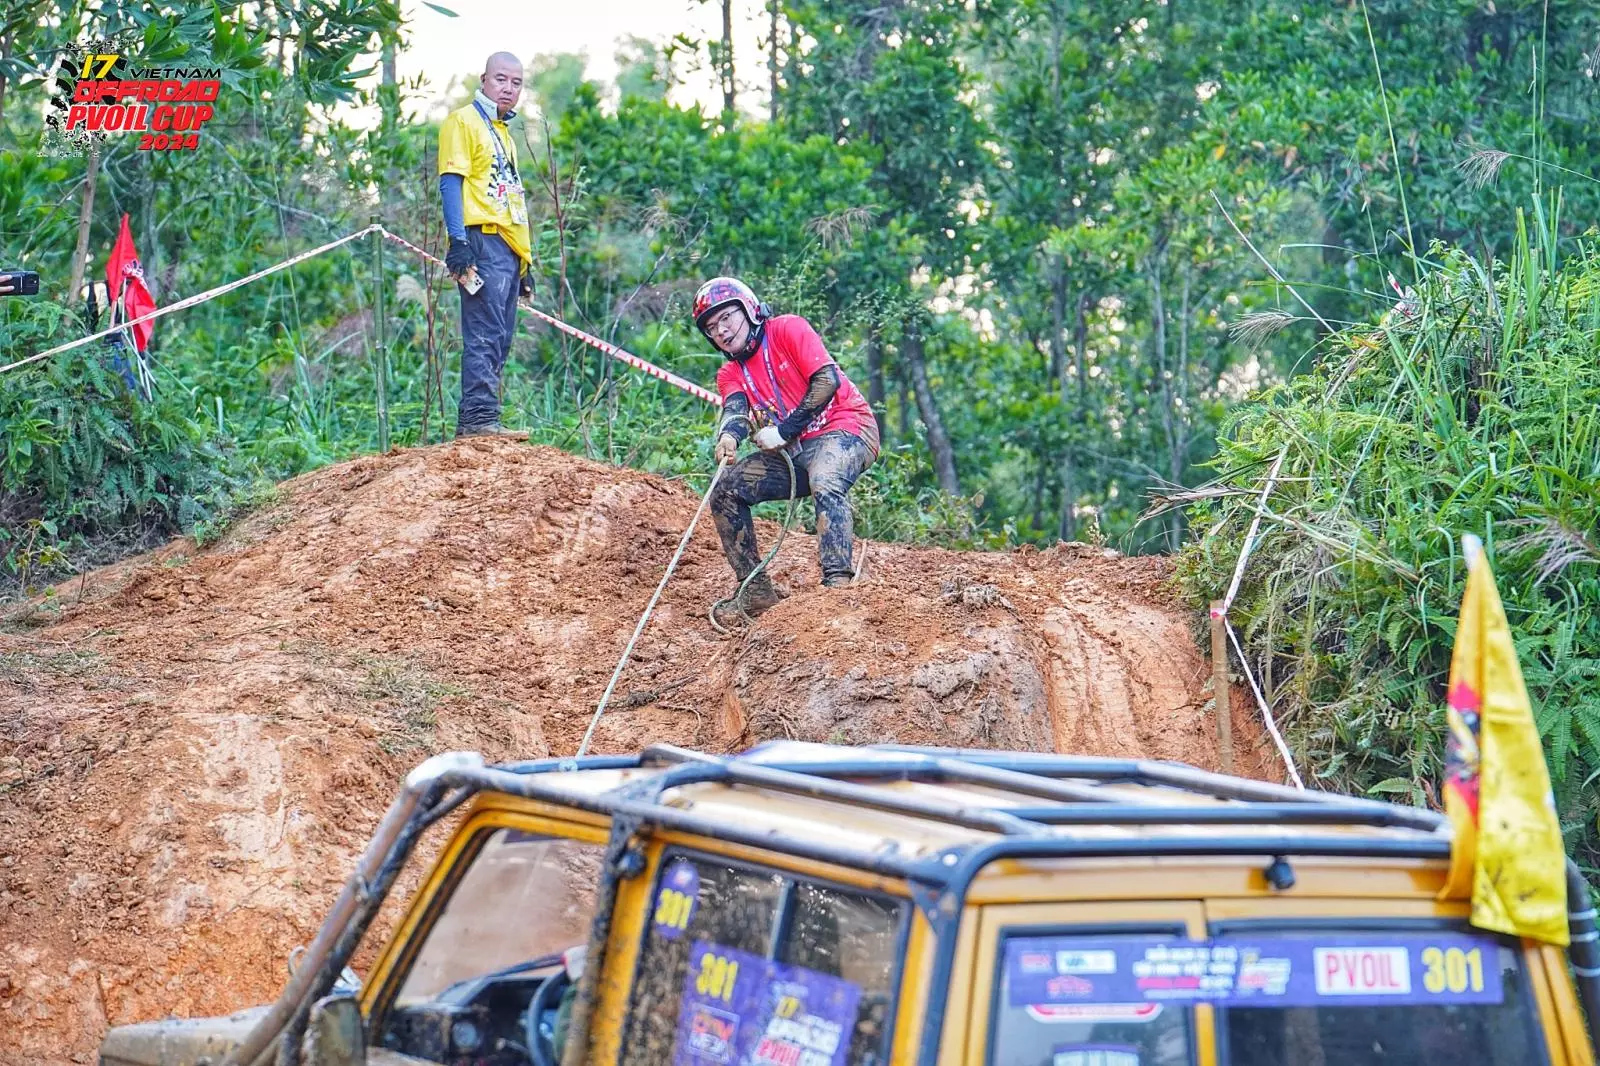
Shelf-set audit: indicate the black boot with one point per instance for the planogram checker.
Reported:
(759, 597)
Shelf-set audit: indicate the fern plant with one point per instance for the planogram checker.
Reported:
(1476, 409)
(83, 457)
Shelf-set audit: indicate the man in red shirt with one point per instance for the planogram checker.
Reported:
(781, 388)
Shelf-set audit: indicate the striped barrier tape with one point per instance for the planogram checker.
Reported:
(605, 347)
(190, 301)
(592, 341)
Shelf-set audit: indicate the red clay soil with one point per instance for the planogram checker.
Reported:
(194, 750)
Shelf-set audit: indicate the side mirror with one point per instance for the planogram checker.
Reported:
(336, 1034)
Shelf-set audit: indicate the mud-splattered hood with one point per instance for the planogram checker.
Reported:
(177, 1042)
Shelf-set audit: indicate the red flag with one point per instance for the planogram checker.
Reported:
(125, 287)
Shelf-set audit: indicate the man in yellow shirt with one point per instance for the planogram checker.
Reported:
(486, 217)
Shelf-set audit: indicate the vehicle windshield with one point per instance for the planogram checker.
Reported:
(745, 964)
(1312, 997)
(522, 897)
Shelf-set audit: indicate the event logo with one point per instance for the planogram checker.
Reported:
(102, 91)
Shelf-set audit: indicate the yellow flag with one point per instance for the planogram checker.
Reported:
(1507, 845)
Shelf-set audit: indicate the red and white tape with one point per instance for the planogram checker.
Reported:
(210, 294)
(190, 301)
(588, 338)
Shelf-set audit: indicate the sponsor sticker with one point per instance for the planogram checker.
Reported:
(1285, 971)
(1358, 971)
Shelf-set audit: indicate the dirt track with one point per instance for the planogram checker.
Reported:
(191, 755)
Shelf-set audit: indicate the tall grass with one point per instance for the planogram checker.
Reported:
(1472, 407)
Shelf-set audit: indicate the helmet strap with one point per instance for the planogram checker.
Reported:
(753, 345)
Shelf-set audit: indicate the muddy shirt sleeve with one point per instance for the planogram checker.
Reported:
(824, 383)
(735, 415)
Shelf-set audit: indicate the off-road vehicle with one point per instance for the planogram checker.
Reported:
(810, 904)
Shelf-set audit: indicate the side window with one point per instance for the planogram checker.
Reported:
(854, 937)
(694, 902)
(740, 962)
(523, 897)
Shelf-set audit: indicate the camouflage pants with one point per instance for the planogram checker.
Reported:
(825, 467)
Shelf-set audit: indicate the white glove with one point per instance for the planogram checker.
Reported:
(726, 448)
(768, 439)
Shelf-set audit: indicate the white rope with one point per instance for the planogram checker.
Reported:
(1266, 712)
(1270, 268)
(1255, 525)
(605, 698)
(191, 301)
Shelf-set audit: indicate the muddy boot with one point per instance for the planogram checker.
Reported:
(492, 429)
(838, 581)
(759, 597)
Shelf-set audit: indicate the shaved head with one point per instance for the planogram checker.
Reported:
(502, 81)
(502, 59)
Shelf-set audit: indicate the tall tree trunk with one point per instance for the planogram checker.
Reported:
(1177, 458)
(5, 53)
(1080, 409)
(149, 242)
(1069, 496)
(772, 61)
(944, 458)
(85, 216)
(876, 396)
(727, 56)
(1058, 326)
(389, 97)
(1163, 381)
(1039, 482)
(902, 380)
(1067, 528)
(1080, 346)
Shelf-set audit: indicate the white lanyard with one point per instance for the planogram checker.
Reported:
(500, 152)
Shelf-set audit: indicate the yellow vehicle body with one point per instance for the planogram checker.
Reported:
(942, 907)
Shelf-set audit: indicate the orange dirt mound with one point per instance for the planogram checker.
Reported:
(194, 751)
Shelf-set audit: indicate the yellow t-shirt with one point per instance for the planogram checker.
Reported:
(491, 191)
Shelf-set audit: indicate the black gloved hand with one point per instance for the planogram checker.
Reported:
(525, 286)
(459, 258)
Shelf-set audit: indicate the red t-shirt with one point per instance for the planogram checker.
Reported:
(775, 379)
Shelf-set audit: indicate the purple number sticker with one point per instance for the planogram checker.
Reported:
(677, 899)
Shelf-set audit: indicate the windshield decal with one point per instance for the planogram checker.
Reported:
(1094, 1055)
(678, 899)
(743, 1010)
(1301, 971)
(1079, 1013)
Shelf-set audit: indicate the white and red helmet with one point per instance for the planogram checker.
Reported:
(719, 293)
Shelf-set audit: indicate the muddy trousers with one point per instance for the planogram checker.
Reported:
(825, 467)
(488, 321)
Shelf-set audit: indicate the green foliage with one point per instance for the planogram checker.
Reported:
(83, 458)
(1472, 407)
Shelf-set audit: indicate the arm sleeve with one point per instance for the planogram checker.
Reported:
(735, 412)
(454, 219)
(823, 384)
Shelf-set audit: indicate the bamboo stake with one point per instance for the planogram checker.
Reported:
(1219, 684)
(381, 355)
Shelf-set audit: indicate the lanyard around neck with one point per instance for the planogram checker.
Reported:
(499, 145)
(777, 393)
